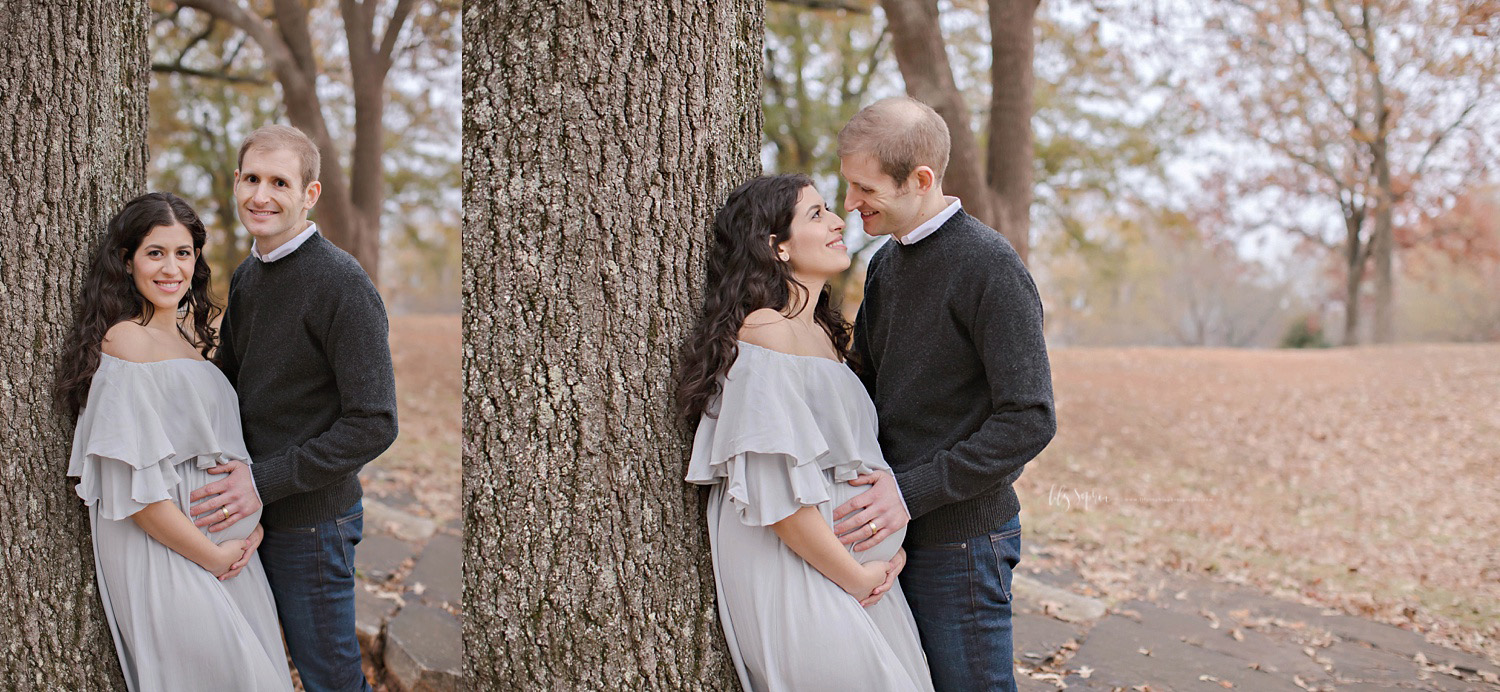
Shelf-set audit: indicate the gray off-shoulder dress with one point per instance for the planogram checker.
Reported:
(148, 433)
(792, 431)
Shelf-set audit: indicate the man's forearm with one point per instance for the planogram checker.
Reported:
(338, 453)
(980, 464)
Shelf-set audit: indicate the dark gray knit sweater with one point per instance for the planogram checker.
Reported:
(950, 337)
(305, 342)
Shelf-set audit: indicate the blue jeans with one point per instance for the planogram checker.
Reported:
(311, 570)
(960, 596)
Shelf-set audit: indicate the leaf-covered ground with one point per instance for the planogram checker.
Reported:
(421, 474)
(1366, 480)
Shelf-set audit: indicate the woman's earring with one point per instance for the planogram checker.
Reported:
(783, 256)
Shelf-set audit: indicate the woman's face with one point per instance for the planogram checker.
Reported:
(816, 249)
(162, 267)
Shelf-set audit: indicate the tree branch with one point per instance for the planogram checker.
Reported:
(236, 15)
(179, 68)
(1317, 77)
(856, 6)
(393, 30)
(291, 19)
(1438, 140)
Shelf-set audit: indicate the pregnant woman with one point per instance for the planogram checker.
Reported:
(188, 610)
(783, 425)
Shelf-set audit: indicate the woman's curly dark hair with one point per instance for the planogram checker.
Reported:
(744, 275)
(109, 295)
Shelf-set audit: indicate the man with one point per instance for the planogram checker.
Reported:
(305, 343)
(950, 338)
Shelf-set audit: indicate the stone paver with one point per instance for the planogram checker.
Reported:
(379, 556)
(1066, 605)
(437, 570)
(370, 615)
(1193, 633)
(1120, 652)
(424, 650)
(382, 518)
(1037, 636)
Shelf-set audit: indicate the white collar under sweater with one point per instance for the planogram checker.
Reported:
(286, 248)
(931, 225)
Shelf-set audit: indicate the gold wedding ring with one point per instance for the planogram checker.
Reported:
(874, 529)
(226, 512)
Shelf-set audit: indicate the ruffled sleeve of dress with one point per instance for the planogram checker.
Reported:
(769, 443)
(140, 421)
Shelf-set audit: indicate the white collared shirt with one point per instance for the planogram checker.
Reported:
(931, 225)
(286, 248)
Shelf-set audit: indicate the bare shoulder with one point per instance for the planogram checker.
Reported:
(130, 341)
(768, 328)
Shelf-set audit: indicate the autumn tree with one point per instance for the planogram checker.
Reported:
(598, 142)
(72, 152)
(353, 199)
(1375, 109)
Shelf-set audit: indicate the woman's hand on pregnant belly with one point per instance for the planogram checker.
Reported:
(892, 571)
(251, 544)
(869, 577)
(223, 557)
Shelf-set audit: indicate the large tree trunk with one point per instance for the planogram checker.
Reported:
(1012, 44)
(73, 79)
(1383, 239)
(1355, 255)
(599, 138)
(923, 59)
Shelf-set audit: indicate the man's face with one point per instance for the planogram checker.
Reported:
(271, 197)
(883, 206)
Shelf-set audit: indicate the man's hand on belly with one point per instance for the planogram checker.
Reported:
(880, 504)
(220, 504)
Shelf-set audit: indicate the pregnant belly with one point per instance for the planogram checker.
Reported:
(840, 493)
(194, 478)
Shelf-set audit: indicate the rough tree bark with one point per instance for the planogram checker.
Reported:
(73, 79)
(1010, 161)
(348, 213)
(599, 138)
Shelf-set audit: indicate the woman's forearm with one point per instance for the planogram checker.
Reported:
(170, 527)
(813, 540)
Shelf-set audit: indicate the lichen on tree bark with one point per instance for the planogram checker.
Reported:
(73, 81)
(599, 139)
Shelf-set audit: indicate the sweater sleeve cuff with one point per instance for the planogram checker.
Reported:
(273, 480)
(922, 489)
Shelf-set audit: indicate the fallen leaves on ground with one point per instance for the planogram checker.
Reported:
(1357, 479)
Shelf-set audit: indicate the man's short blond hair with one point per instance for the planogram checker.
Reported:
(901, 133)
(273, 137)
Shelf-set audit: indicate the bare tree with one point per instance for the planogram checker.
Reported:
(598, 141)
(1377, 105)
(73, 80)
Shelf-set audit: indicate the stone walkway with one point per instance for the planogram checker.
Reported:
(1185, 633)
(1195, 634)
(407, 602)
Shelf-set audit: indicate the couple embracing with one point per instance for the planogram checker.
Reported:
(861, 514)
(219, 463)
